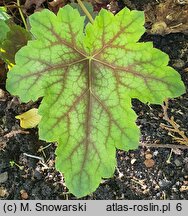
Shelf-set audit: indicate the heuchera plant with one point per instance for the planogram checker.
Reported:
(87, 76)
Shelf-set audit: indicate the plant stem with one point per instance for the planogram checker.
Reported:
(11, 6)
(169, 157)
(33, 156)
(158, 145)
(21, 14)
(85, 11)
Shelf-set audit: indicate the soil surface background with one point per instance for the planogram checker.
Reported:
(166, 177)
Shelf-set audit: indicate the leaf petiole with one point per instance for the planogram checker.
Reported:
(85, 11)
(21, 14)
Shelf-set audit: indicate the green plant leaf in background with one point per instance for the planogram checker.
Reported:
(12, 38)
(16, 38)
(4, 29)
(87, 80)
(3, 14)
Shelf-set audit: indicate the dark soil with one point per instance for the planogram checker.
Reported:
(24, 177)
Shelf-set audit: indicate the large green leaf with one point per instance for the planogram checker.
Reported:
(87, 81)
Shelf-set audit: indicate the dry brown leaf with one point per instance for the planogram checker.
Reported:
(29, 3)
(170, 16)
(174, 128)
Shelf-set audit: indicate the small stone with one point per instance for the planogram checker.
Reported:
(24, 194)
(161, 115)
(2, 143)
(120, 174)
(133, 161)
(37, 175)
(155, 153)
(148, 156)
(181, 2)
(178, 63)
(177, 151)
(159, 27)
(149, 163)
(164, 183)
(186, 167)
(3, 192)
(177, 163)
(51, 163)
(3, 177)
(184, 188)
(2, 93)
(181, 179)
